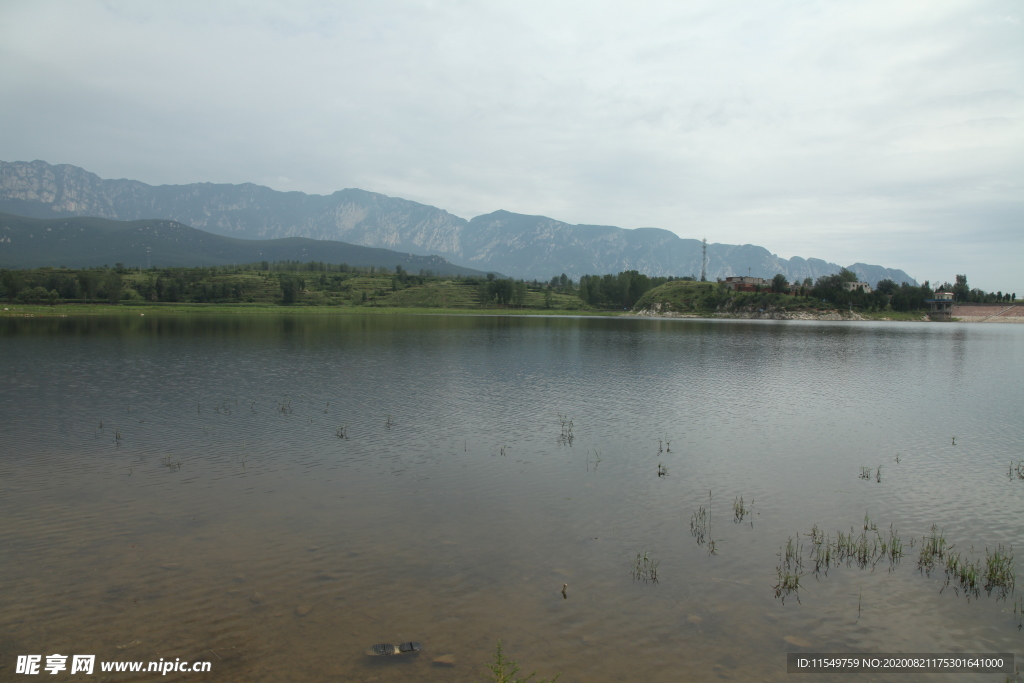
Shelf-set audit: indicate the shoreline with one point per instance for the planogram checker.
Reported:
(93, 309)
(827, 316)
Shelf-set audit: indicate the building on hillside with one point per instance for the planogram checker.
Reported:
(857, 287)
(941, 307)
(746, 284)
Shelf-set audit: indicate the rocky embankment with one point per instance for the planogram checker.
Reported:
(988, 313)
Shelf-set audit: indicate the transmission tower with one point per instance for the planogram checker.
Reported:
(704, 261)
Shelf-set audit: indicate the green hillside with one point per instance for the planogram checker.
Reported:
(94, 242)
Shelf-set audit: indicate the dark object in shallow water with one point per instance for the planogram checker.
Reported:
(389, 649)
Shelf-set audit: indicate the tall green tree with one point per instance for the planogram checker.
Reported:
(112, 285)
(89, 280)
(13, 282)
(291, 288)
(519, 293)
(961, 290)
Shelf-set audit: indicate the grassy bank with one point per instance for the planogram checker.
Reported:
(96, 309)
(313, 288)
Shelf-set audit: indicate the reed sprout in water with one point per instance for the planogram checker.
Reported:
(993, 573)
(700, 527)
(999, 573)
(1016, 468)
(644, 568)
(933, 548)
(789, 570)
(565, 438)
(740, 510)
(865, 549)
(504, 670)
(865, 473)
(699, 523)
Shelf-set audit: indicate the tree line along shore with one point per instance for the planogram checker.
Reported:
(318, 285)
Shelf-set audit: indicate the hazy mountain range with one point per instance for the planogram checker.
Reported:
(530, 247)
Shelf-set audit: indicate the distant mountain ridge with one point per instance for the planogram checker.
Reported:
(530, 247)
(84, 242)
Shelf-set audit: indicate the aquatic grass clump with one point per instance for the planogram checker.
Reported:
(341, 432)
(863, 554)
(894, 547)
(504, 670)
(740, 510)
(821, 550)
(971, 576)
(1016, 468)
(851, 548)
(699, 525)
(933, 548)
(789, 570)
(865, 549)
(644, 568)
(868, 547)
(565, 438)
(965, 572)
(865, 472)
(999, 574)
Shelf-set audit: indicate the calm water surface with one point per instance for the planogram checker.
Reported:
(177, 488)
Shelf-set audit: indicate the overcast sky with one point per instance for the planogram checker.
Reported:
(881, 132)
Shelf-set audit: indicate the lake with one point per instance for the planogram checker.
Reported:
(273, 494)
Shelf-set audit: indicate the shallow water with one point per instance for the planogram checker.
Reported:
(453, 511)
